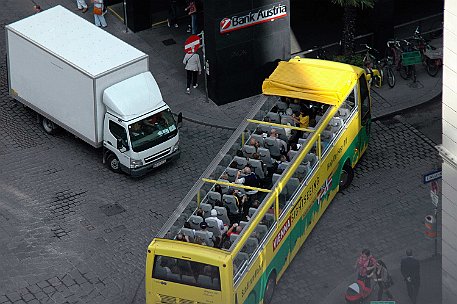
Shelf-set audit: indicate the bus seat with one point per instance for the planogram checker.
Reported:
(233, 238)
(269, 219)
(261, 231)
(194, 221)
(273, 146)
(273, 117)
(206, 237)
(281, 106)
(301, 171)
(252, 211)
(259, 139)
(216, 284)
(275, 178)
(213, 196)
(312, 158)
(285, 119)
(251, 245)
(204, 281)
(292, 154)
(327, 135)
(240, 258)
(174, 277)
(243, 224)
(188, 232)
(295, 107)
(257, 166)
(344, 113)
(206, 209)
(335, 124)
(213, 227)
(241, 162)
(222, 215)
(231, 172)
(263, 129)
(218, 171)
(161, 273)
(248, 151)
(190, 280)
(265, 156)
(230, 202)
(283, 166)
(281, 133)
(226, 160)
(223, 187)
(292, 185)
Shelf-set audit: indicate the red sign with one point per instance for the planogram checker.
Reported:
(280, 236)
(192, 44)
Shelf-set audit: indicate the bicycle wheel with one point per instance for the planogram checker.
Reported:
(390, 77)
(404, 72)
(432, 67)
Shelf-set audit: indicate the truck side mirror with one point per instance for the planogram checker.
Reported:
(179, 120)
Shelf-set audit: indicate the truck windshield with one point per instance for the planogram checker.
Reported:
(153, 130)
(186, 272)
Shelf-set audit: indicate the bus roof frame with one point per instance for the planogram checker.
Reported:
(312, 79)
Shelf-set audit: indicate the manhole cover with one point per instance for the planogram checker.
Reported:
(112, 209)
(168, 42)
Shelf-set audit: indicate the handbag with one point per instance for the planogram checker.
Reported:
(98, 10)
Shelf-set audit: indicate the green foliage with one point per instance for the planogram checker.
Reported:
(355, 3)
(356, 59)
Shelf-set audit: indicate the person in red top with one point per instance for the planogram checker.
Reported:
(365, 265)
(234, 229)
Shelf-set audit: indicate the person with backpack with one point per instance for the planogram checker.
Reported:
(384, 279)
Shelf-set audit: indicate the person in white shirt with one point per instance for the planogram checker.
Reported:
(193, 68)
(82, 5)
(220, 223)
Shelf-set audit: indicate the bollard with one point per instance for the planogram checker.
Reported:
(430, 229)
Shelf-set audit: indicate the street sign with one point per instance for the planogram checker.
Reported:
(192, 44)
(435, 198)
(428, 177)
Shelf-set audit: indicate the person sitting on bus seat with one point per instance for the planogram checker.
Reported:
(255, 143)
(220, 223)
(200, 212)
(234, 229)
(281, 143)
(183, 238)
(249, 178)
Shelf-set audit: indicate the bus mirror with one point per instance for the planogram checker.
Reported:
(179, 120)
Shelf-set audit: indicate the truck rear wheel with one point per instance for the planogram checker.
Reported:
(48, 126)
(113, 163)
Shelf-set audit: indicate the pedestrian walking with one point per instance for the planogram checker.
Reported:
(382, 277)
(193, 68)
(37, 8)
(99, 13)
(191, 10)
(365, 266)
(82, 5)
(173, 13)
(410, 270)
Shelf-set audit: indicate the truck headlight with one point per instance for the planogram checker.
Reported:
(135, 163)
(176, 146)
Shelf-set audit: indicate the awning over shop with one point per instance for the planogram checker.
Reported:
(312, 79)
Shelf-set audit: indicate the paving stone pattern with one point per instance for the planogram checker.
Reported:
(382, 210)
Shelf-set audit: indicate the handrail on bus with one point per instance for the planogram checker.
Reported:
(279, 125)
(235, 185)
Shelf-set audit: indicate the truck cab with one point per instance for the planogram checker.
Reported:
(141, 134)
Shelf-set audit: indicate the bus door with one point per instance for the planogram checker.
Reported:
(365, 113)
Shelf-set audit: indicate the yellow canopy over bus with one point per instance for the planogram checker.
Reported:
(312, 79)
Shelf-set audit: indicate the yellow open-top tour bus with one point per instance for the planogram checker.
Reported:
(189, 262)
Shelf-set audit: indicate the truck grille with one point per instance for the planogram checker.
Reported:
(173, 300)
(157, 156)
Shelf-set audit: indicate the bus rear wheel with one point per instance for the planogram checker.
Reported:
(346, 176)
(270, 288)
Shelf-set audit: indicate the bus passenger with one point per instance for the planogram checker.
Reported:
(234, 229)
(220, 223)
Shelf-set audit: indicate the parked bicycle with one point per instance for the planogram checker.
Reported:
(431, 56)
(378, 68)
(408, 60)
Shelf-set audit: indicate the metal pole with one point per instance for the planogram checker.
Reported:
(204, 63)
(125, 16)
(436, 231)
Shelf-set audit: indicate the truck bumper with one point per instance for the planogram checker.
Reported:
(136, 172)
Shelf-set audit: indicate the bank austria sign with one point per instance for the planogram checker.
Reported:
(250, 18)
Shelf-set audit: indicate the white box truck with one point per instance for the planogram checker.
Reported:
(97, 87)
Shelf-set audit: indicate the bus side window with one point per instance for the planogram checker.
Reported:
(364, 99)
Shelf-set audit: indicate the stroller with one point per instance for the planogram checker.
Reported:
(357, 292)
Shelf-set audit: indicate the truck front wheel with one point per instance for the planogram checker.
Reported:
(48, 126)
(113, 163)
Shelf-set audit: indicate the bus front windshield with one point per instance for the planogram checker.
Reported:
(153, 130)
(186, 272)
